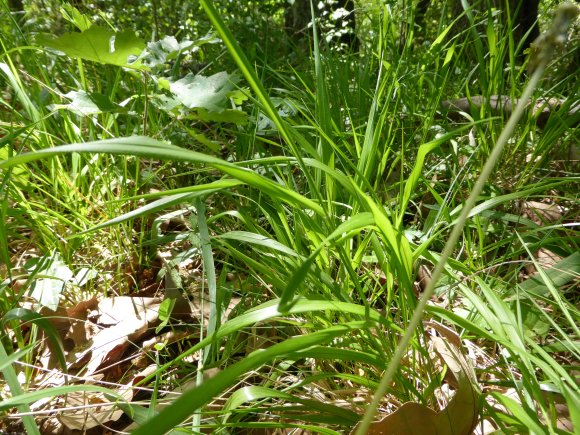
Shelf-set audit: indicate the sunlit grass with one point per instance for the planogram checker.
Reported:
(325, 217)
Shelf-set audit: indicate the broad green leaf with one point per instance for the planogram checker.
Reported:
(449, 55)
(84, 275)
(233, 116)
(98, 44)
(288, 135)
(84, 104)
(534, 320)
(165, 310)
(74, 16)
(166, 103)
(159, 52)
(211, 93)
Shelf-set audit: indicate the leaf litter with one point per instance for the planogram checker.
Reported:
(110, 338)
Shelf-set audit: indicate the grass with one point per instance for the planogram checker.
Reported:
(342, 183)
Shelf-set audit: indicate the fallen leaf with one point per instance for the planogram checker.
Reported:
(542, 213)
(92, 409)
(545, 258)
(459, 417)
(112, 311)
(461, 414)
(130, 319)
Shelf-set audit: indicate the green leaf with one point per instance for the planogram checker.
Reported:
(165, 310)
(355, 223)
(518, 411)
(83, 103)
(25, 315)
(534, 320)
(233, 116)
(9, 359)
(53, 392)
(98, 44)
(74, 16)
(147, 147)
(560, 274)
(159, 52)
(270, 310)
(211, 93)
(258, 239)
(18, 175)
(256, 393)
(11, 379)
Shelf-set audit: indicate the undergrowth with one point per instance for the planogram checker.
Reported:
(298, 210)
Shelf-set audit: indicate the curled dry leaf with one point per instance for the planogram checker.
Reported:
(458, 418)
(445, 331)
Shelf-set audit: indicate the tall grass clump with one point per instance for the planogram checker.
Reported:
(360, 223)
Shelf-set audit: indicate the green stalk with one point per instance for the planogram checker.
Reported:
(209, 269)
(545, 48)
(15, 390)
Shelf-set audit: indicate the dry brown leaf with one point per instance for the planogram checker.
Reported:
(411, 418)
(445, 331)
(93, 409)
(542, 213)
(458, 418)
(131, 318)
(112, 311)
(461, 414)
(79, 333)
(545, 258)
(424, 277)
